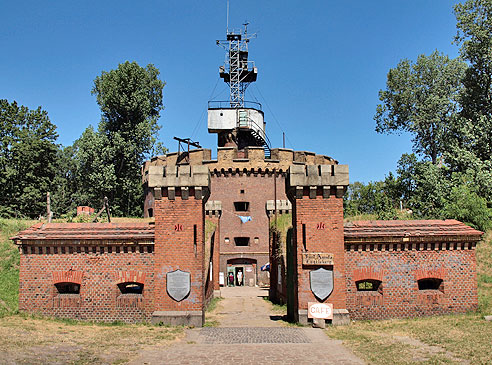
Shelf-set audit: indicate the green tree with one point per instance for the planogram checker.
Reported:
(423, 186)
(474, 23)
(421, 98)
(130, 99)
(464, 204)
(374, 198)
(28, 155)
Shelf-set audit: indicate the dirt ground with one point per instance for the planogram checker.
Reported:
(247, 329)
(26, 340)
(245, 307)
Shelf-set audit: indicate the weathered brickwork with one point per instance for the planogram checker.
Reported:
(99, 274)
(381, 269)
(322, 219)
(179, 230)
(253, 190)
(399, 271)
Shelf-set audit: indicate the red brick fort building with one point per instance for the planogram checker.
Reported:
(212, 218)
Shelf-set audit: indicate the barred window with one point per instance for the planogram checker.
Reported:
(368, 285)
(131, 288)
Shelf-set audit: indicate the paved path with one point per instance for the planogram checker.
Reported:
(250, 332)
(245, 307)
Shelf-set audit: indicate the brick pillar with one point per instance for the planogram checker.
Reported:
(213, 210)
(216, 253)
(316, 193)
(180, 194)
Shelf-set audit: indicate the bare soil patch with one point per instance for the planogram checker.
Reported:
(45, 341)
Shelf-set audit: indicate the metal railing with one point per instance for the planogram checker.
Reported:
(258, 130)
(216, 104)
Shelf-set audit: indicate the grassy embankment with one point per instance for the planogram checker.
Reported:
(32, 339)
(447, 339)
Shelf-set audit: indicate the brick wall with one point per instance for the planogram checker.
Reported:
(398, 270)
(257, 189)
(179, 245)
(99, 273)
(323, 221)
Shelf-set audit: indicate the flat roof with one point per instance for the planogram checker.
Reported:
(88, 231)
(438, 229)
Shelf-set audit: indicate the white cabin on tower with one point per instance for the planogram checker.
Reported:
(237, 122)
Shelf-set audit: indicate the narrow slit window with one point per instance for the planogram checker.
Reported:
(195, 238)
(304, 236)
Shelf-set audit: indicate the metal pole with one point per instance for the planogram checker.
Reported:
(283, 135)
(275, 195)
(48, 207)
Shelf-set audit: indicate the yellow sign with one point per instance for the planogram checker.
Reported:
(320, 258)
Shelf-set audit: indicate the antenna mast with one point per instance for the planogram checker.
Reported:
(238, 72)
(238, 123)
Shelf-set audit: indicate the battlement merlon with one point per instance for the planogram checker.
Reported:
(251, 158)
(172, 181)
(323, 178)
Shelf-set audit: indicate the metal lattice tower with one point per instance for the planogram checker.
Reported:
(238, 72)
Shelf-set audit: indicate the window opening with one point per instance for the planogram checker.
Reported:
(241, 241)
(304, 236)
(430, 284)
(368, 285)
(241, 206)
(131, 288)
(195, 238)
(68, 288)
(242, 191)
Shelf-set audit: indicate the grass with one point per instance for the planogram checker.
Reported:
(441, 339)
(9, 265)
(34, 339)
(27, 339)
(431, 340)
(213, 304)
(277, 308)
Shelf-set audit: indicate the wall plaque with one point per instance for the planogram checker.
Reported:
(320, 258)
(321, 281)
(178, 284)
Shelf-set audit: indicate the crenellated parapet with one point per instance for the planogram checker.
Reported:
(251, 160)
(315, 180)
(185, 180)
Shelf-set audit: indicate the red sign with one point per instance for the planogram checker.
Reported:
(320, 310)
(320, 225)
(178, 227)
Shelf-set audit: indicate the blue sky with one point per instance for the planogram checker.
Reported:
(321, 64)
